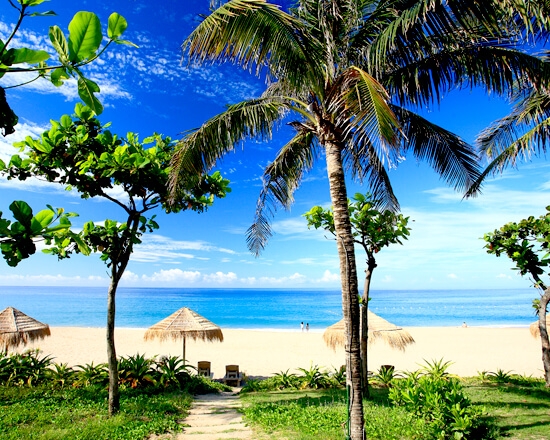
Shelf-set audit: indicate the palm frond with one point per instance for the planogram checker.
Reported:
(452, 158)
(199, 149)
(367, 167)
(524, 129)
(281, 178)
(361, 106)
(497, 69)
(255, 33)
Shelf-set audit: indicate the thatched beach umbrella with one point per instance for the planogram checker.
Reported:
(185, 323)
(16, 328)
(535, 330)
(379, 328)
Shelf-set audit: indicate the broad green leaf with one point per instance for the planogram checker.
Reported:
(86, 90)
(22, 212)
(116, 26)
(126, 42)
(66, 121)
(82, 246)
(58, 75)
(24, 55)
(2, 167)
(59, 43)
(84, 36)
(31, 2)
(41, 220)
(43, 14)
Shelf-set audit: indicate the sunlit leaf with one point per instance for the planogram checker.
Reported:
(86, 90)
(22, 212)
(24, 55)
(59, 43)
(84, 36)
(116, 26)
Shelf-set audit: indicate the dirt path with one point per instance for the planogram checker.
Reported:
(215, 417)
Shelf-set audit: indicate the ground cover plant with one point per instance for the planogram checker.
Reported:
(43, 412)
(41, 399)
(495, 405)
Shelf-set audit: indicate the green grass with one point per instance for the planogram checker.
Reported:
(321, 414)
(81, 413)
(519, 410)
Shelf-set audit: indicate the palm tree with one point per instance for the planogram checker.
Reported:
(328, 64)
(525, 131)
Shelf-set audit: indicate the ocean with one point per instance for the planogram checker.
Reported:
(270, 309)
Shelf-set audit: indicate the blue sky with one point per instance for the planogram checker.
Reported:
(148, 90)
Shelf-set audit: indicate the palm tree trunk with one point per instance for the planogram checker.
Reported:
(350, 291)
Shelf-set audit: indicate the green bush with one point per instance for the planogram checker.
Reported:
(439, 400)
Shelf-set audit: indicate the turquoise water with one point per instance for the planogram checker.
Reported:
(277, 309)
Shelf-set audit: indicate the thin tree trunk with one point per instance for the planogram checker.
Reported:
(544, 300)
(365, 333)
(114, 394)
(350, 291)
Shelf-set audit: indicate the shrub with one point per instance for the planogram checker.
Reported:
(439, 399)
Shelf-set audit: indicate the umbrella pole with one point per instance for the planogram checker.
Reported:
(183, 349)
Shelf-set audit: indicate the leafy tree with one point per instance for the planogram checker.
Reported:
(373, 229)
(81, 48)
(17, 238)
(78, 152)
(351, 72)
(527, 244)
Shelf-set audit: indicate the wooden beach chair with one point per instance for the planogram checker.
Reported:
(203, 369)
(232, 376)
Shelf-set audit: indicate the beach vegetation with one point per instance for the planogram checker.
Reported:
(373, 228)
(442, 404)
(385, 376)
(527, 244)
(44, 412)
(81, 47)
(348, 78)
(80, 153)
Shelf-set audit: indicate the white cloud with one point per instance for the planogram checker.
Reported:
(329, 277)
(221, 278)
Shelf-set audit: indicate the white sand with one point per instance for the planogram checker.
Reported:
(263, 353)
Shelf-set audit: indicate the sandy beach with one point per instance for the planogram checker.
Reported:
(264, 353)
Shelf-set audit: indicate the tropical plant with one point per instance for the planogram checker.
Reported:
(436, 368)
(136, 371)
(526, 243)
(327, 63)
(79, 152)
(385, 376)
(372, 229)
(82, 47)
(313, 377)
(61, 374)
(27, 368)
(89, 374)
(441, 402)
(284, 379)
(171, 371)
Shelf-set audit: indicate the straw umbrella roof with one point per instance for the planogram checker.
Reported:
(16, 328)
(185, 323)
(379, 328)
(535, 331)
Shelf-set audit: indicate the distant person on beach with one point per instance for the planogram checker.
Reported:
(302, 326)
(307, 327)
(464, 325)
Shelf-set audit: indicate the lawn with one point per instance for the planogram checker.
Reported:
(81, 413)
(518, 409)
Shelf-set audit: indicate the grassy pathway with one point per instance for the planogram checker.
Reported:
(215, 417)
